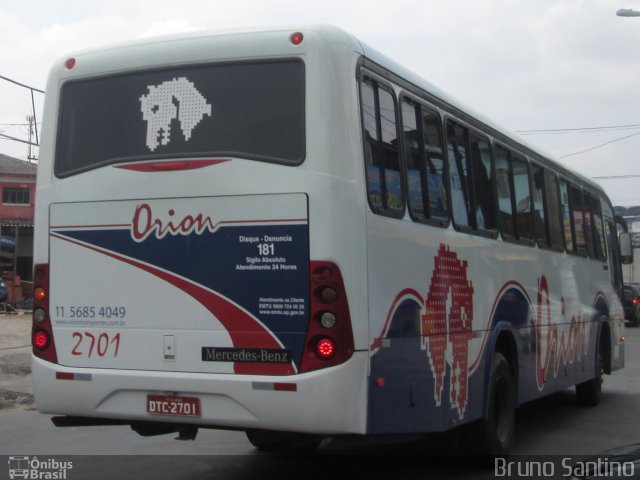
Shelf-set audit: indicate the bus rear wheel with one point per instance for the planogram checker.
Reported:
(493, 435)
(499, 425)
(589, 393)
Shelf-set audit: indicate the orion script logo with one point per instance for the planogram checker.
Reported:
(33, 468)
(145, 222)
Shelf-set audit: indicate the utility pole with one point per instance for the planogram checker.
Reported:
(31, 121)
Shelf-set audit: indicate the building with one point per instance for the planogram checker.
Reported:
(18, 193)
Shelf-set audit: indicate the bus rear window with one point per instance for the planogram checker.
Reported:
(251, 109)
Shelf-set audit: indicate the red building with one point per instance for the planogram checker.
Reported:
(18, 193)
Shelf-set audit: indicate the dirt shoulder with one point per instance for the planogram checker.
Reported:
(16, 392)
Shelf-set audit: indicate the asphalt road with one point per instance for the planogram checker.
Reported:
(555, 425)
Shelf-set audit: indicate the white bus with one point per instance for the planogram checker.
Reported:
(286, 233)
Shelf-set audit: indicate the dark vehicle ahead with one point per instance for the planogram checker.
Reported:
(631, 302)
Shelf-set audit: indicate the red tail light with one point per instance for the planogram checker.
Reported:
(42, 332)
(634, 301)
(329, 336)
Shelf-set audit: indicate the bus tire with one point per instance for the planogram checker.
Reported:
(496, 431)
(493, 435)
(589, 393)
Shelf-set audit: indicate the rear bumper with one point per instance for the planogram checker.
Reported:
(328, 401)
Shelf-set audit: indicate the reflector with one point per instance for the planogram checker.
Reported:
(296, 38)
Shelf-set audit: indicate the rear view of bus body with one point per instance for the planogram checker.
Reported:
(286, 232)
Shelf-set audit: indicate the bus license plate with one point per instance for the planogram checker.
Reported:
(178, 406)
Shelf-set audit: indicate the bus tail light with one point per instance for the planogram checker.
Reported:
(329, 339)
(42, 332)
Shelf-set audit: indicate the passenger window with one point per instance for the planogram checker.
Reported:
(522, 192)
(567, 220)
(422, 135)
(601, 248)
(471, 176)
(379, 119)
(460, 175)
(435, 166)
(506, 218)
(577, 215)
(539, 224)
(554, 217)
(413, 154)
(484, 184)
(597, 228)
(589, 227)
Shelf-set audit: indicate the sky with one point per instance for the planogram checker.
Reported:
(570, 67)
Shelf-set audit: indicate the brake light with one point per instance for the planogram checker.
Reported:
(634, 301)
(325, 348)
(42, 332)
(329, 339)
(40, 339)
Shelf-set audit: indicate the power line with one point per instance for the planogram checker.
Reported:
(22, 84)
(544, 131)
(615, 177)
(599, 146)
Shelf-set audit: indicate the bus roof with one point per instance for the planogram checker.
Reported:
(320, 36)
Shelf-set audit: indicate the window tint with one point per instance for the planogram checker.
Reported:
(589, 227)
(554, 218)
(577, 215)
(471, 176)
(253, 109)
(422, 135)
(506, 217)
(484, 183)
(435, 166)
(384, 186)
(522, 193)
(567, 220)
(539, 224)
(460, 175)
(596, 211)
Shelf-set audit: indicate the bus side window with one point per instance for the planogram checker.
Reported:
(423, 155)
(567, 219)
(601, 250)
(462, 204)
(577, 215)
(435, 167)
(413, 154)
(554, 214)
(484, 183)
(539, 223)
(506, 218)
(379, 120)
(589, 226)
(522, 192)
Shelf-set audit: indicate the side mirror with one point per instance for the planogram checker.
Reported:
(626, 252)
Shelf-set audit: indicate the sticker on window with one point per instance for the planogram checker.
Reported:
(177, 99)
